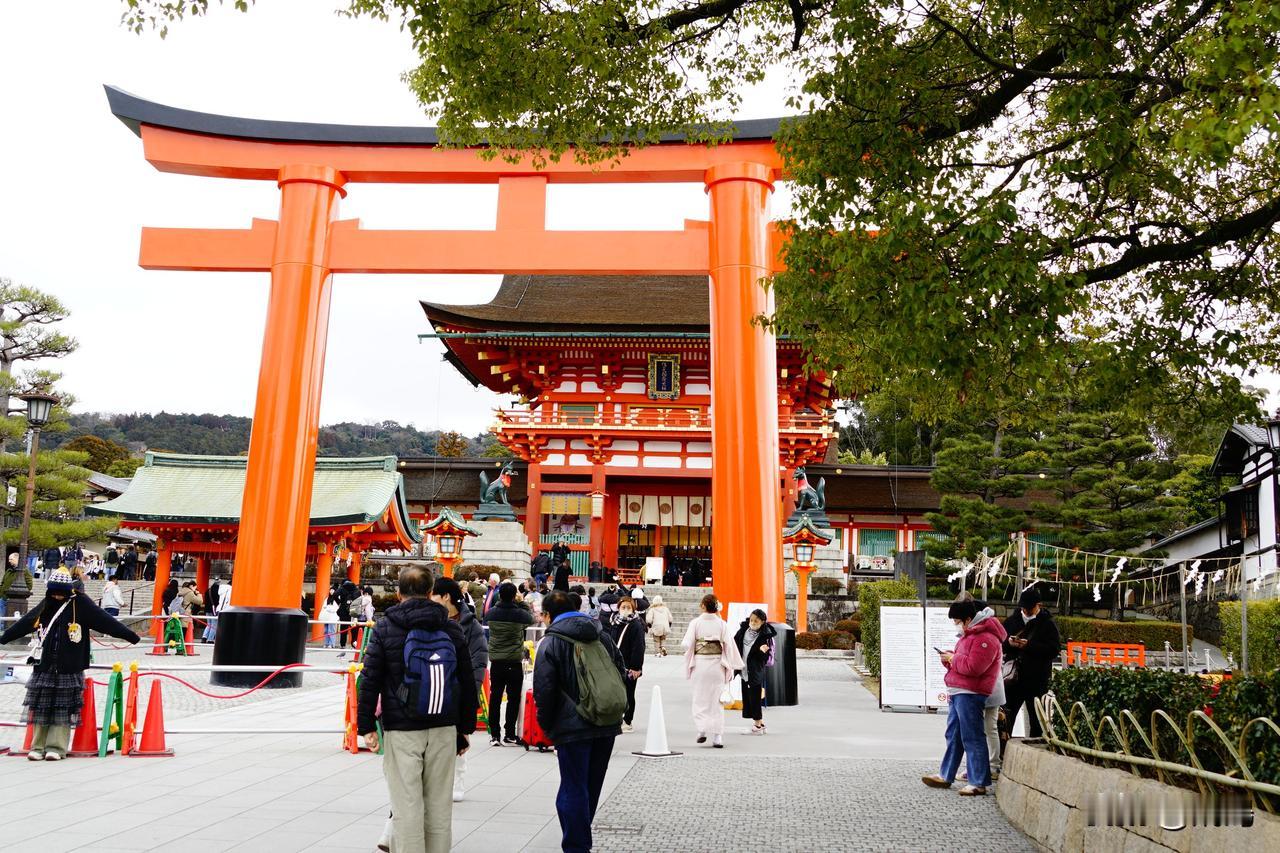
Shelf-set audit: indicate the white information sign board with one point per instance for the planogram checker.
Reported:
(653, 569)
(911, 673)
(940, 632)
(902, 670)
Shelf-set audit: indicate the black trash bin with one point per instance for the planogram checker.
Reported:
(780, 679)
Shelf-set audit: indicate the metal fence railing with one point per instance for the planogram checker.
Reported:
(1140, 747)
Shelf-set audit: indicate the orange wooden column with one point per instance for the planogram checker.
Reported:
(533, 507)
(164, 559)
(324, 578)
(353, 568)
(271, 553)
(597, 524)
(746, 538)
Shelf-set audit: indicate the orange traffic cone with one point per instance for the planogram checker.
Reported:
(351, 738)
(85, 742)
(153, 729)
(160, 647)
(189, 638)
(129, 740)
(26, 743)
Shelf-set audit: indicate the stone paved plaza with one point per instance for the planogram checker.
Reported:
(834, 774)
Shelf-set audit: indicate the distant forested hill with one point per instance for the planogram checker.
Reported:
(228, 435)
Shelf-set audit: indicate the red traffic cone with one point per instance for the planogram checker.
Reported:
(85, 742)
(189, 638)
(153, 729)
(26, 742)
(160, 647)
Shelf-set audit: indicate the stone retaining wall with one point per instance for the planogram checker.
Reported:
(1046, 796)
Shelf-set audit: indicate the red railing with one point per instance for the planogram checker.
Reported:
(646, 418)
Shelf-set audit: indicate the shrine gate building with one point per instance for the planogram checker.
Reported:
(610, 379)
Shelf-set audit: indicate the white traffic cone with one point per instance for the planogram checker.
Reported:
(655, 740)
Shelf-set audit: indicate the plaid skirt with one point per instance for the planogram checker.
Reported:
(54, 699)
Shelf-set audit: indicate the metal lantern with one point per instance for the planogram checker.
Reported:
(39, 407)
(449, 529)
(803, 536)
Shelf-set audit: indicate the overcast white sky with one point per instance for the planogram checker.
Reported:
(76, 191)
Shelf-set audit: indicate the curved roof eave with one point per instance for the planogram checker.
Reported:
(135, 112)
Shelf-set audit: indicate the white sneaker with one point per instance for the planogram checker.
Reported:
(52, 756)
(627, 728)
(718, 742)
(755, 730)
(33, 755)
(458, 794)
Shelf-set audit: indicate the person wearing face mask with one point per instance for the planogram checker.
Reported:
(627, 632)
(755, 639)
(972, 671)
(1032, 646)
(55, 693)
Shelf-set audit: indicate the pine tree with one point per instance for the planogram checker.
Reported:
(978, 476)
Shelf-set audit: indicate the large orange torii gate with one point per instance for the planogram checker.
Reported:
(314, 164)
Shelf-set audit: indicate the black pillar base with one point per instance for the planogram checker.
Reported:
(259, 636)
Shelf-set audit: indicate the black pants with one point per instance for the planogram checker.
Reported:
(505, 676)
(631, 699)
(752, 707)
(583, 765)
(1016, 698)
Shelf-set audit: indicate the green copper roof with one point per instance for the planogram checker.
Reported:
(447, 514)
(804, 522)
(173, 487)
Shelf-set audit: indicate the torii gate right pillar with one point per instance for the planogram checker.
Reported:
(746, 534)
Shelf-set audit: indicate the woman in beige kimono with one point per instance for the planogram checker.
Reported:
(710, 658)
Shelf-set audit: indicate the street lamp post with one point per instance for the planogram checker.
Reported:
(38, 408)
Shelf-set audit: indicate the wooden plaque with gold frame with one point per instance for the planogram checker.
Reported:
(664, 377)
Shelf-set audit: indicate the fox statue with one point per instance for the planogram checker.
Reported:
(496, 492)
(807, 497)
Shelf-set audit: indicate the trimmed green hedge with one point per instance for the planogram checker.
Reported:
(852, 626)
(1264, 633)
(825, 586)
(869, 597)
(1149, 633)
(809, 640)
(837, 640)
(1232, 703)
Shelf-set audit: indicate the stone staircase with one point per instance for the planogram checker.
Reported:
(139, 593)
(684, 603)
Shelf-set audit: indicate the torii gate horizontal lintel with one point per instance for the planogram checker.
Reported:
(194, 143)
(503, 250)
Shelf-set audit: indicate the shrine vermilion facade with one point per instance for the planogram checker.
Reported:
(316, 165)
(613, 378)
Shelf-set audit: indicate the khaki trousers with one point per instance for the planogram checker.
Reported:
(418, 766)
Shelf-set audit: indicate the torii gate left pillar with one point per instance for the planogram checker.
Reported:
(312, 164)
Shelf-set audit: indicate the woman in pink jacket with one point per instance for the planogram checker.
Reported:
(972, 670)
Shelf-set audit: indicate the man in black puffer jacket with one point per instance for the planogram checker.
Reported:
(582, 748)
(420, 750)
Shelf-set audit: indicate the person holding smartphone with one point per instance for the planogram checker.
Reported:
(972, 671)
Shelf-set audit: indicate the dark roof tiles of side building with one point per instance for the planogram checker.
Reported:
(604, 302)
